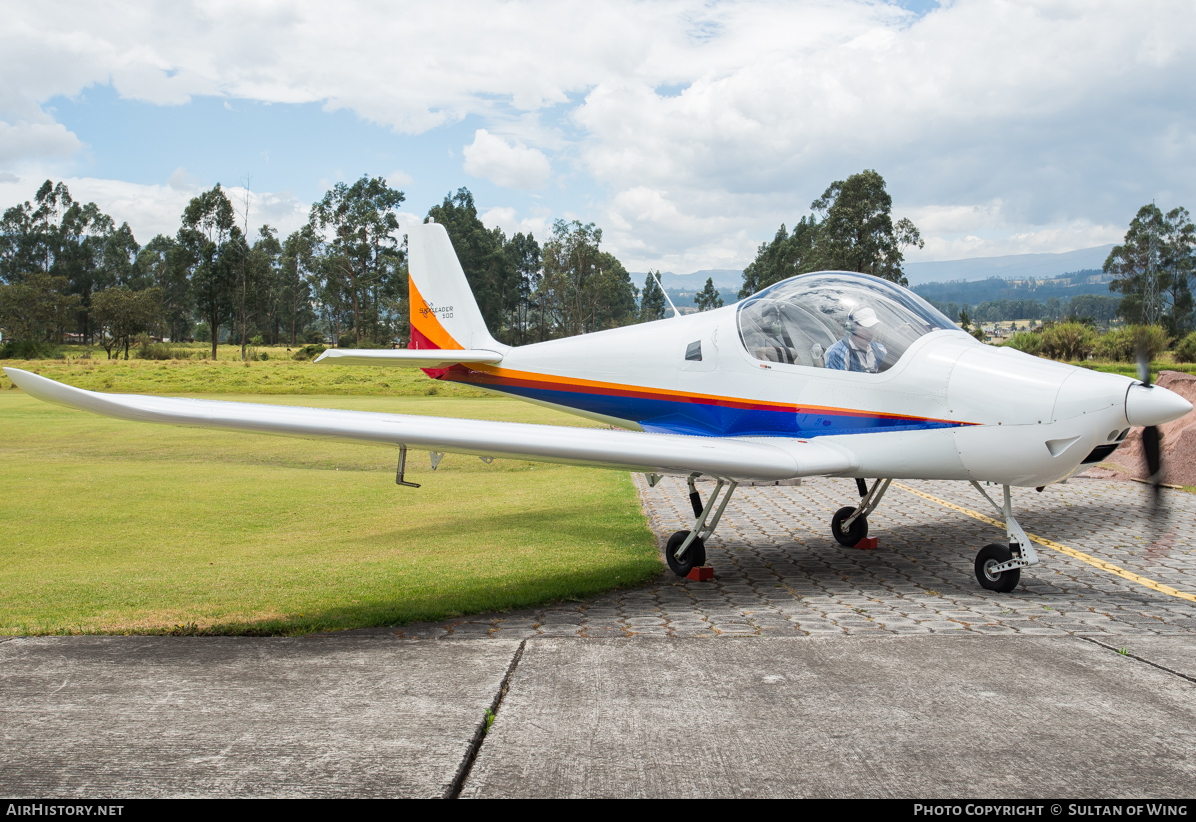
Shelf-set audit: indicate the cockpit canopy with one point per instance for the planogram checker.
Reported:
(836, 319)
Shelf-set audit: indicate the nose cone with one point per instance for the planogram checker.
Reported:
(1154, 405)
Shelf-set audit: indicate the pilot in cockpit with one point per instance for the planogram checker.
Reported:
(858, 350)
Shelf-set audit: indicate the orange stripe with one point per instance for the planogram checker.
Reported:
(551, 381)
(423, 319)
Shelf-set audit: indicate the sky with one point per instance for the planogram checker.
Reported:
(687, 131)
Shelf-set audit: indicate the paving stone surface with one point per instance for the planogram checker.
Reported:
(778, 572)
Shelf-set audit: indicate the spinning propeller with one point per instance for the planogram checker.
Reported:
(1151, 438)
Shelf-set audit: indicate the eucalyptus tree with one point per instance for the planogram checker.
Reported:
(263, 282)
(211, 241)
(36, 307)
(122, 313)
(785, 256)
(652, 300)
(523, 256)
(583, 288)
(360, 227)
(852, 229)
(297, 269)
(857, 232)
(708, 298)
(163, 264)
(59, 236)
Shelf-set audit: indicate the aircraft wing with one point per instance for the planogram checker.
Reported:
(739, 459)
(410, 358)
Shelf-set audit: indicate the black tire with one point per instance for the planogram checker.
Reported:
(989, 556)
(695, 554)
(852, 536)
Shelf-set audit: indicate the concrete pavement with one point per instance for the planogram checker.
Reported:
(190, 716)
(803, 669)
(915, 717)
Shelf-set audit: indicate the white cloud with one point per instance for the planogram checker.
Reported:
(512, 166)
(956, 232)
(23, 141)
(157, 209)
(399, 178)
(999, 124)
(180, 180)
(511, 223)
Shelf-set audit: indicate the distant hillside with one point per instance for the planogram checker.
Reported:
(723, 278)
(1087, 281)
(682, 287)
(1013, 266)
(1019, 267)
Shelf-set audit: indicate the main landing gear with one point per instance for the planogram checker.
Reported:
(850, 525)
(999, 567)
(686, 550)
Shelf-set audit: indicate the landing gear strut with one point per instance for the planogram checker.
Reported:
(686, 550)
(999, 567)
(850, 525)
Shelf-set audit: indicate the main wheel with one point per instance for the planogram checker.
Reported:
(852, 536)
(695, 554)
(989, 557)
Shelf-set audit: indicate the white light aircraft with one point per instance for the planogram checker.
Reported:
(828, 374)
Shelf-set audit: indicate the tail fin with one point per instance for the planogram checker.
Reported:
(444, 313)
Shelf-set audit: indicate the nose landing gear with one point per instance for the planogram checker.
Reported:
(990, 558)
(999, 567)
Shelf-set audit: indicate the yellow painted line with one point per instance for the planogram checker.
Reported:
(1063, 549)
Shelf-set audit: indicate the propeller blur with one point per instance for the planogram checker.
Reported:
(826, 374)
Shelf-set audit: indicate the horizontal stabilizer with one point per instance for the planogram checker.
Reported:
(739, 459)
(406, 357)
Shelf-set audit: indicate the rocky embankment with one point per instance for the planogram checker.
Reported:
(1179, 442)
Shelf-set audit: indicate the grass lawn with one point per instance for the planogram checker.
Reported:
(115, 527)
(275, 376)
(1129, 369)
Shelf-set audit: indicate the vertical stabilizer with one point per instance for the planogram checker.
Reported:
(444, 313)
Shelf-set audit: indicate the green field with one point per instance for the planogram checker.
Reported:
(115, 527)
(275, 376)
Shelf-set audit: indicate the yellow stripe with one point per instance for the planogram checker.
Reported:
(1063, 549)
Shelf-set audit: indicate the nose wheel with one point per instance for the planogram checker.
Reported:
(992, 571)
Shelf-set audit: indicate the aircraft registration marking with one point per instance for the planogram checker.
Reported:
(1063, 549)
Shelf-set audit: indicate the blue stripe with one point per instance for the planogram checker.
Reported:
(673, 417)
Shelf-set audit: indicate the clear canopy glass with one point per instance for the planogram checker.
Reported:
(836, 319)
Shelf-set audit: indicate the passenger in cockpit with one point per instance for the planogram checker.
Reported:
(858, 350)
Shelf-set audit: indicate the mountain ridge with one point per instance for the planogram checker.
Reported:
(971, 269)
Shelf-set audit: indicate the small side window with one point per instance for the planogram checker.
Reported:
(693, 351)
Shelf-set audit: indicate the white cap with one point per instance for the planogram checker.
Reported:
(863, 316)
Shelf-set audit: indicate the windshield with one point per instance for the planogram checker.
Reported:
(835, 319)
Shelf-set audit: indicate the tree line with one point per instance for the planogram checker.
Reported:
(68, 271)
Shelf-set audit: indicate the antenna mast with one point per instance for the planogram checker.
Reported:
(1152, 308)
